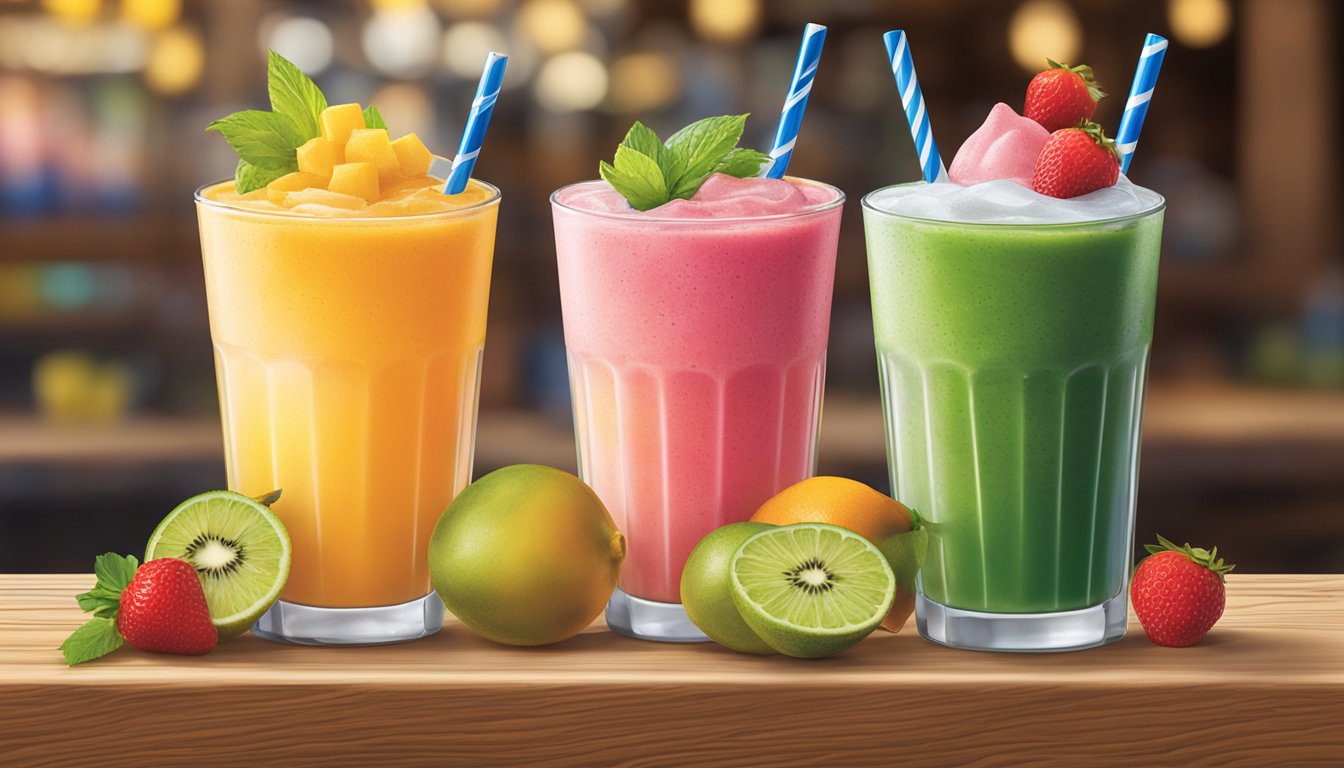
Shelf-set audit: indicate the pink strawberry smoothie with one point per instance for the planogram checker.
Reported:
(696, 334)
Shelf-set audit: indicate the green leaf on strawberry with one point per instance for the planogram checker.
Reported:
(1197, 555)
(99, 636)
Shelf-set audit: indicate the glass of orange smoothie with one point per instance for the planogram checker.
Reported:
(348, 352)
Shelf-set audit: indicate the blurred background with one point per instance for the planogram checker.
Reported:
(108, 411)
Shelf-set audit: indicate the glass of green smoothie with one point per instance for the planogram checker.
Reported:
(1013, 333)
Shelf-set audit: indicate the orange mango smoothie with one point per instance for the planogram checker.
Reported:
(348, 343)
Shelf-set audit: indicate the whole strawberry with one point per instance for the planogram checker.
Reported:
(1062, 96)
(1075, 161)
(158, 606)
(1178, 593)
(163, 610)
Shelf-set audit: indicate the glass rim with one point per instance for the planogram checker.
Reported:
(866, 202)
(493, 199)
(811, 209)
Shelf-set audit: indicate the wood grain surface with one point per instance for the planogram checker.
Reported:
(1265, 688)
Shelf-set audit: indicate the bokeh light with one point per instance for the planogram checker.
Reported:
(552, 25)
(1199, 23)
(571, 82)
(152, 15)
(303, 40)
(403, 42)
(644, 81)
(407, 109)
(468, 8)
(176, 61)
(1042, 29)
(725, 21)
(466, 44)
(74, 11)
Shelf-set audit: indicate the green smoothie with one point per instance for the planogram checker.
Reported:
(1013, 359)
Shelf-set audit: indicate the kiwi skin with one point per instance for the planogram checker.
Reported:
(207, 543)
(706, 589)
(787, 639)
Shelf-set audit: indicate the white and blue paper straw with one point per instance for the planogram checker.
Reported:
(791, 118)
(1140, 93)
(903, 67)
(487, 92)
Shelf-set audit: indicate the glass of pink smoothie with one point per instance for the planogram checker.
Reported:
(696, 334)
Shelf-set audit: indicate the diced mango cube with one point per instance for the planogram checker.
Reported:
(358, 179)
(319, 155)
(292, 182)
(371, 145)
(406, 185)
(339, 120)
(412, 155)
(323, 197)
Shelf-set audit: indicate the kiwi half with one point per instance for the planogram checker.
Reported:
(240, 551)
(810, 590)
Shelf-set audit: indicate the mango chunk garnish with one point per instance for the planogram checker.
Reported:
(358, 179)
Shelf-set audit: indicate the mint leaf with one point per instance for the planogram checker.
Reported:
(249, 177)
(294, 95)
(643, 140)
(699, 147)
(649, 172)
(373, 118)
(98, 637)
(637, 177)
(742, 163)
(113, 573)
(261, 138)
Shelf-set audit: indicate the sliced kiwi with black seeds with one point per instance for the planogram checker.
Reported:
(811, 589)
(240, 551)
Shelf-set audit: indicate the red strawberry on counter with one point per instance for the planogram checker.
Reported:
(1075, 161)
(1062, 96)
(1178, 593)
(158, 607)
(163, 610)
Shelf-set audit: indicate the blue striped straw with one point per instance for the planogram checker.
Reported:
(791, 118)
(903, 67)
(1140, 93)
(487, 92)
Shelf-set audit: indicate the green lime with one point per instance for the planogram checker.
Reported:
(811, 589)
(238, 547)
(707, 595)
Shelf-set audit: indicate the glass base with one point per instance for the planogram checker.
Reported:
(307, 625)
(647, 620)
(1022, 632)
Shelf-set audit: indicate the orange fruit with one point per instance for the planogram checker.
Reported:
(853, 505)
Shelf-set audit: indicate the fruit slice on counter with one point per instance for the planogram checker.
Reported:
(811, 589)
(238, 547)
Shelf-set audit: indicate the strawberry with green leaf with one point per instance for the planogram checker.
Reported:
(1179, 593)
(649, 172)
(158, 607)
(1062, 96)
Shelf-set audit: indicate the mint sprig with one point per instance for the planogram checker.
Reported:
(267, 142)
(649, 172)
(99, 636)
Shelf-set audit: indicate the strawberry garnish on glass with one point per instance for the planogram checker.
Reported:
(1062, 96)
(1075, 161)
(1178, 593)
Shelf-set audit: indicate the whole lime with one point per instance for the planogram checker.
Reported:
(527, 555)
(706, 590)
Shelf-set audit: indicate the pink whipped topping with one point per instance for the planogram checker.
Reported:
(1004, 147)
(720, 197)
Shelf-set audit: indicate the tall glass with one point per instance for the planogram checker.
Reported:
(348, 355)
(1013, 360)
(697, 357)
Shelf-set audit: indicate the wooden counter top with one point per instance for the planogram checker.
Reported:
(1265, 688)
